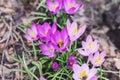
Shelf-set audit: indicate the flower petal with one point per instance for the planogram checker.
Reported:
(27, 37)
(92, 73)
(85, 67)
(103, 54)
(89, 39)
(84, 53)
(76, 68)
(34, 28)
(76, 77)
(54, 27)
(81, 30)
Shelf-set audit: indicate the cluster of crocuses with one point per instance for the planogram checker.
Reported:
(55, 40)
(52, 38)
(68, 6)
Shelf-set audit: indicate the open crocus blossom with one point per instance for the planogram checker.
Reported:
(61, 40)
(45, 31)
(55, 6)
(71, 6)
(71, 60)
(83, 72)
(47, 49)
(98, 58)
(90, 45)
(73, 31)
(32, 33)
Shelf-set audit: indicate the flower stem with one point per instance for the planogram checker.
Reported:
(101, 73)
(106, 71)
(115, 72)
(103, 78)
(35, 54)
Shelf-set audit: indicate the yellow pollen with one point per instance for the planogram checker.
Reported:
(83, 74)
(33, 35)
(90, 45)
(46, 32)
(60, 43)
(74, 31)
(97, 60)
(54, 7)
(50, 50)
(71, 63)
(70, 5)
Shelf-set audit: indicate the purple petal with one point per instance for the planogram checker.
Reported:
(84, 53)
(54, 28)
(71, 11)
(91, 58)
(72, 1)
(68, 24)
(85, 67)
(76, 68)
(49, 4)
(89, 39)
(76, 76)
(34, 28)
(84, 45)
(29, 31)
(64, 34)
(92, 73)
(81, 31)
(93, 78)
(96, 55)
(43, 47)
(46, 26)
(103, 54)
(42, 78)
(27, 37)
(96, 46)
(66, 43)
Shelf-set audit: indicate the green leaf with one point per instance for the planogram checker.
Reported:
(41, 4)
(39, 13)
(18, 70)
(15, 59)
(21, 29)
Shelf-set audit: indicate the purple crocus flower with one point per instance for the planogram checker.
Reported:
(32, 33)
(45, 31)
(73, 31)
(90, 45)
(55, 6)
(83, 72)
(71, 60)
(71, 6)
(98, 58)
(55, 66)
(42, 78)
(47, 49)
(61, 40)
